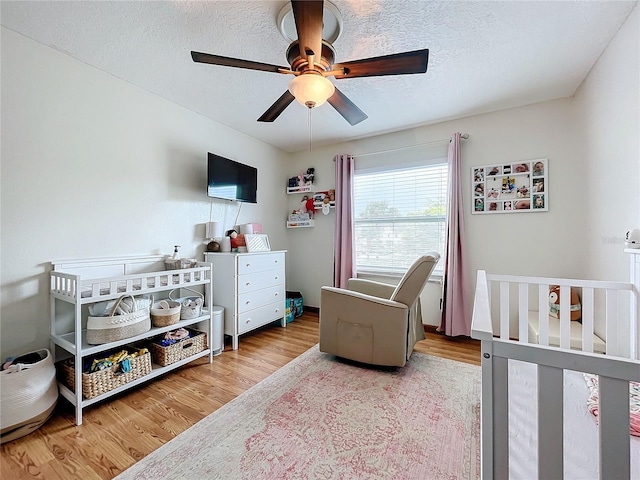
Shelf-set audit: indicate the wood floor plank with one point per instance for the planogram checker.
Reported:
(120, 431)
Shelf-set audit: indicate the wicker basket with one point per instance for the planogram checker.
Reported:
(179, 350)
(191, 306)
(163, 317)
(109, 329)
(180, 263)
(97, 383)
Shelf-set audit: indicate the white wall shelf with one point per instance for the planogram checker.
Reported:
(302, 224)
(299, 189)
(318, 205)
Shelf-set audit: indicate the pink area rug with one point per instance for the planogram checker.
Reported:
(321, 418)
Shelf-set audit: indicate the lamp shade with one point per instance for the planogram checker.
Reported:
(213, 230)
(311, 89)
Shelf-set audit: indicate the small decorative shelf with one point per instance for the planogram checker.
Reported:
(299, 189)
(318, 205)
(301, 224)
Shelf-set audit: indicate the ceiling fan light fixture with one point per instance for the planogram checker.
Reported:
(311, 90)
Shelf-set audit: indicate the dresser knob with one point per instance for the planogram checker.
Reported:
(276, 277)
(277, 294)
(248, 302)
(248, 321)
(277, 310)
(247, 284)
(248, 265)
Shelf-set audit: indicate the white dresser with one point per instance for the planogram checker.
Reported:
(250, 287)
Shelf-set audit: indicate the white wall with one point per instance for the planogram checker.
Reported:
(93, 167)
(592, 144)
(523, 243)
(609, 120)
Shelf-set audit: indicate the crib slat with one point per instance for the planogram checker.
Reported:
(504, 310)
(611, 320)
(587, 319)
(565, 317)
(550, 423)
(543, 314)
(614, 427)
(500, 417)
(523, 314)
(634, 309)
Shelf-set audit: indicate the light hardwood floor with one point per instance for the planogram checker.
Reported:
(119, 432)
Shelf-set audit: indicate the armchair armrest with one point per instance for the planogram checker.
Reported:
(370, 287)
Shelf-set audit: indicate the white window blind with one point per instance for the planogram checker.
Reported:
(399, 215)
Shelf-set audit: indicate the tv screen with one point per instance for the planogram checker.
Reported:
(231, 180)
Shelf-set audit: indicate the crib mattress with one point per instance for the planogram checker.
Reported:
(599, 345)
(580, 429)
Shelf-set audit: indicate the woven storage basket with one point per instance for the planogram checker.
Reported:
(180, 263)
(102, 330)
(28, 394)
(191, 306)
(97, 383)
(163, 317)
(179, 350)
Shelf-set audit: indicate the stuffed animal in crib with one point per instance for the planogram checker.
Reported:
(575, 308)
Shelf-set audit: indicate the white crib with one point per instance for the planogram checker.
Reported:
(511, 333)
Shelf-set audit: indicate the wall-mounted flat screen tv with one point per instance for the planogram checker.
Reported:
(231, 180)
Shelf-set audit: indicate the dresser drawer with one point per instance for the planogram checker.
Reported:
(260, 316)
(260, 262)
(257, 281)
(258, 298)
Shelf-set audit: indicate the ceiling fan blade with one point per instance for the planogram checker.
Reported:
(236, 62)
(277, 108)
(346, 108)
(308, 18)
(395, 64)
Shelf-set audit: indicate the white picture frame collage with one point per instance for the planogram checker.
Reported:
(510, 187)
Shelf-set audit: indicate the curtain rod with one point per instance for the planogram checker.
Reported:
(463, 136)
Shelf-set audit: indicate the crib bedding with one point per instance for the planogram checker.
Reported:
(580, 429)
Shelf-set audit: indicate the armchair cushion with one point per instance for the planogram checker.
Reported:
(412, 283)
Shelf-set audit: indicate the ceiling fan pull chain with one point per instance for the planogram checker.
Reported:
(309, 120)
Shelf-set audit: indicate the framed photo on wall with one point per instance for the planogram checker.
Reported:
(510, 187)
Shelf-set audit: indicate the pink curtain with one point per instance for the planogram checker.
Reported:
(343, 254)
(456, 314)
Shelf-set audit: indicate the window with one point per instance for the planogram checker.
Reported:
(399, 215)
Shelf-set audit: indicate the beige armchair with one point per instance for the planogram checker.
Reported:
(372, 322)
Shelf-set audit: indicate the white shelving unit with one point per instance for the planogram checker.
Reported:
(78, 283)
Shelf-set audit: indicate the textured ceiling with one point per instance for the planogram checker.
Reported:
(483, 56)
